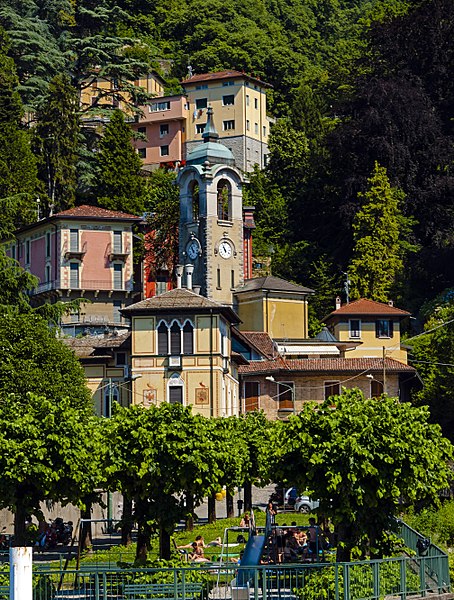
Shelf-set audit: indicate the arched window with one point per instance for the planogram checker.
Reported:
(195, 200)
(163, 339)
(224, 200)
(188, 338)
(175, 338)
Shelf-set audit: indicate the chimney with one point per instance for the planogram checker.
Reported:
(390, 303)
(338, 302)
(189, 271)
(179, 274)
(196, 289)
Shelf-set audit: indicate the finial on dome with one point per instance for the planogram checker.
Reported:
(210, 134)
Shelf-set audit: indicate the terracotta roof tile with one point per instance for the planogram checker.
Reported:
(328, 365)
(230, 74)
(86, 347)
(95, 212)
(262, 342)
(368, 307)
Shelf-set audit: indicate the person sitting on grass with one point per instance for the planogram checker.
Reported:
(198, 540)
(197, 554)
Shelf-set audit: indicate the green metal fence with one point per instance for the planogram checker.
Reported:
(368, 580)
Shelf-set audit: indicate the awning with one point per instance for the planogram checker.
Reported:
(310, 350)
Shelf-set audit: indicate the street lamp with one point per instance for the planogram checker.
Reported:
(290, 387)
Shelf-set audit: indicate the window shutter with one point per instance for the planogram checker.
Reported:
(163, 340)
(251, 393)
(391, 328)
(188, 339)
(175, 339)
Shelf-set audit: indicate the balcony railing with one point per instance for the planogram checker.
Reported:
(84, 285)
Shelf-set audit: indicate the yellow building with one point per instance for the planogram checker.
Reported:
(375, 326)
(239, 105)
(275, 306)
(181, 353)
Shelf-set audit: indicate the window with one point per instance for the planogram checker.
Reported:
(120, 359)
(188, 338)
(74, 275)
(203, 86)
(264, 131)
(157, 106)
(176, 394)
(118, 276)
(47, 273)
(175, 338)
(116, 312)
(218, 279)
(163, 339)
(142, 152)
(256, 103)
(194, 189)
(224, 200)
(384, 328)
(48, 245)
(228, 100)
(13, 251)
(251, 395)
(201, 103)
(227, 125)
(376, 388)
(164, 129)
(332, 388)
(75, 316)
(200, 127)
(117, 241)
(27, 252)
(74, 240)
(232, 279)
(355, 328)
(228, 83)
(285, 391)
(141, 130)
(256, 128)
(164, 150)
(247, 99)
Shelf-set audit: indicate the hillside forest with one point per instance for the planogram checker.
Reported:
(359, 187)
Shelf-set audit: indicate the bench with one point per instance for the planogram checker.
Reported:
(163, 591)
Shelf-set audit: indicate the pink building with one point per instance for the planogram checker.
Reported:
(163, 124)
(83, 252)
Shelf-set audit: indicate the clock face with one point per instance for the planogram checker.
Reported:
(192, 249)
(225, 250)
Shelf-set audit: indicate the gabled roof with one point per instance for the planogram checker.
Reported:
(95, 212)
(367, 307)
(180, 300)
(230, 74)
(272, 284)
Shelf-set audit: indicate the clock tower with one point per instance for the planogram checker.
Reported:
(211, 219)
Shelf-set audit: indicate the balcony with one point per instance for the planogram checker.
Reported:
(76, 252)
(118, 253)
(92, 285)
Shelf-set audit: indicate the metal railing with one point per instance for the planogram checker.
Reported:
(90, 284)
(368, 580)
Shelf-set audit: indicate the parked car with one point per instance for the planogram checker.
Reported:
(290, 496)
(304, 504)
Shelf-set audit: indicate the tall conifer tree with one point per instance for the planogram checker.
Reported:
(57, 140)
(121, 186)
(18, 180)
(379, 233)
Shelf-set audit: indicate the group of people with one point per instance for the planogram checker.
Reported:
(197, 553)
(297, 544)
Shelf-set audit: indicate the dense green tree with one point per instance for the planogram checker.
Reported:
(364, 457)
(432, 353)
(34, 360)
(49, 451)
(18, 180)
(120, 187)
(162, 205)
(56, 141)
(15, 282)
(380, 232)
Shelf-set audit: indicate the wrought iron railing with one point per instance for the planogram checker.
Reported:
(368, 580)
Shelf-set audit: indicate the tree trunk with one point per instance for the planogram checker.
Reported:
(212, 509)
(127, 522)
(190, 511)
(229, 505)
(164, 544)
(344, 543)
(247, 496)
(20, 530)
(86, 536)
(143, 533)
